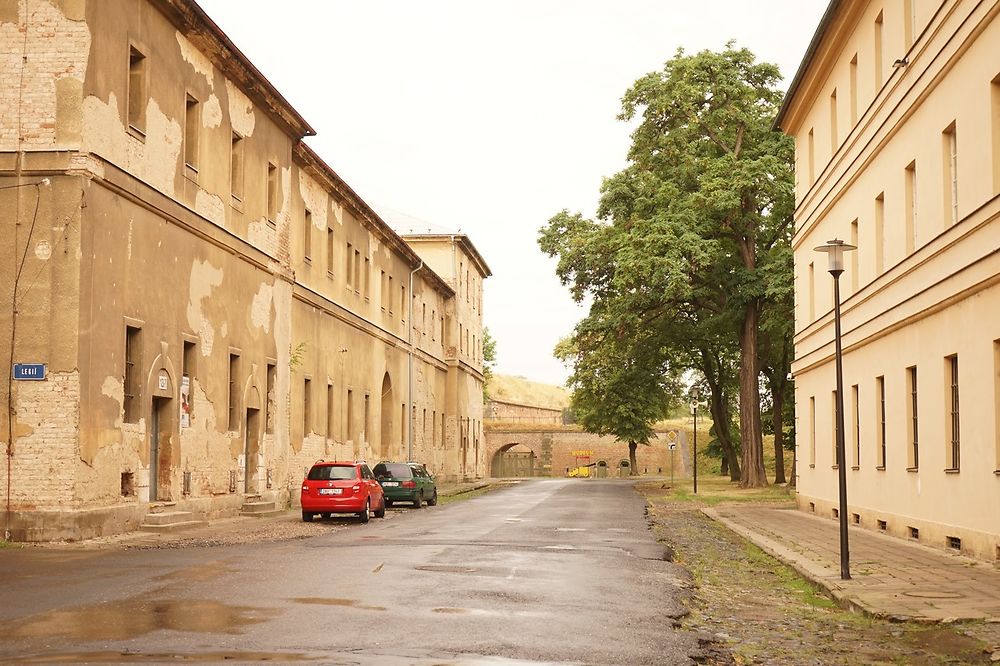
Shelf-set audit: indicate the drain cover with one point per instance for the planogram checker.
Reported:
(940, 594)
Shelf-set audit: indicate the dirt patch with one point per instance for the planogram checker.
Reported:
(760, 611)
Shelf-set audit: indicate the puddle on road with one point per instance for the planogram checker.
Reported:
(198, 574)
(161, 657)
(324, 601)
(131, 618)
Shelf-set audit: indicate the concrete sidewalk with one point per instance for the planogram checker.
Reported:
(891, 578)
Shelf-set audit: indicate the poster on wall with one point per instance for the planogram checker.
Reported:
(185, 402)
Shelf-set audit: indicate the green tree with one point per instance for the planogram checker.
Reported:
(620, 384)
(694, 229)
(489, 362)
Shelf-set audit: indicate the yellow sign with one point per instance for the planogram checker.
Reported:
(582, 454)
(672, 436)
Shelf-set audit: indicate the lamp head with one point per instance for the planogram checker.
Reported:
(835, 250)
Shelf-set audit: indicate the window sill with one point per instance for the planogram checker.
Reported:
(855, 467)
(997, 472)
(271, 223)
(880, 468)
(951, 470)
(137, 133)
(912, 469)
(812, 465)
(236, 202)
(834, 466)
(329, 274)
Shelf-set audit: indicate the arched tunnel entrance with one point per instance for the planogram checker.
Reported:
(514, 460)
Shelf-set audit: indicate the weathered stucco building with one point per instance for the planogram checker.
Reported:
(896, 116)
(214, 307)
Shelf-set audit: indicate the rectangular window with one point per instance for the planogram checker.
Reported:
(423, 318)
(368, 278)
(384, 289)
(233, 398)
(855, 258)
(272, 193)
(131, 383)
(855, 428)
(434, 425)
(137, 96)
(812, 157)
(348, 268)
(357, 271)
(811, 297)
(880, 391)
(912, 414)
(911, 207)
(834, 136)
(433, 327)
(307, 244)
(192, 130)
(271, 399)
(949, 158)
(388, 296)
(880, 233)
(854, 90)
(329, 411)
(189, 361)
(236, 167)
(350, 414)
(329, 251)
(366, 424)
(996, 401)
(402, 303)
(402, 425)
(812, 431)
(954, 423)
(878, 53)
(306, 407)
(995, 127)
(909, 22)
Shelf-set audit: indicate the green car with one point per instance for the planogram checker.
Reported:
(406, 482)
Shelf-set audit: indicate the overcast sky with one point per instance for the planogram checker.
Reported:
(490, 117)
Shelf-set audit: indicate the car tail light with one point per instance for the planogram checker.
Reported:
(356, 489)
(409, 484)
(305, 488)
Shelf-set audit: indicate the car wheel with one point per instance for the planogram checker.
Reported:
(367, 513)
(417, 501)
(307, 516)
(380, 512)
(433, 500)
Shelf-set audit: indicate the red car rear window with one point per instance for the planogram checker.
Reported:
(332, 472)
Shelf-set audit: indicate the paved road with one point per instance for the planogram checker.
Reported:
(548, 571)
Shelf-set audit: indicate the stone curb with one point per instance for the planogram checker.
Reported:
(815, 573)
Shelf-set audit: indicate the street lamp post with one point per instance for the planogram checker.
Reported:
(834, 250)
(694, 412)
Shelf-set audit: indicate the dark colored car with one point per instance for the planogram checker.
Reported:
(406, 482)
(341, 487)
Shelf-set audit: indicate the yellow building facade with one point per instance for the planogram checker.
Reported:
(212, 306)
(895, 112)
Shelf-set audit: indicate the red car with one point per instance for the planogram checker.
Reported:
(341, 487)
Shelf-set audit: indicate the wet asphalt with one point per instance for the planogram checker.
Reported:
(547, 571)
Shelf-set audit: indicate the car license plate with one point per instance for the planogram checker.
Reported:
(389, 484)
(330, 491)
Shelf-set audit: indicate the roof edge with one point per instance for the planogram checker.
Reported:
(807, 60)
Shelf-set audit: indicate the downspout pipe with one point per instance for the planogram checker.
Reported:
(409, 371)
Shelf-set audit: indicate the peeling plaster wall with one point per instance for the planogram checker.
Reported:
(43, 56)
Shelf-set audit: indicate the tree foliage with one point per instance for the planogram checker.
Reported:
(690, 259)
(489, 362)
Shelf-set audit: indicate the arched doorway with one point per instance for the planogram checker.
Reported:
(513, 460)
(602, 469)
(385, 441)
(623, 468)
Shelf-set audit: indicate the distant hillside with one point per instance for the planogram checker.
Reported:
(525, 392)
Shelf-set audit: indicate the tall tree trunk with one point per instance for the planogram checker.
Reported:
(724, 467)
(795, 460)
(719, 408)
(753, 475)
(633, 466)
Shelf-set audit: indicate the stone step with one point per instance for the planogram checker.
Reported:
(173, 527)
(270, 513)
(256, 507)
(161, 507)
(167, 517)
